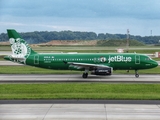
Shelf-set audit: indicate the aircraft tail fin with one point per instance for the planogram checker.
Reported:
(20, 49)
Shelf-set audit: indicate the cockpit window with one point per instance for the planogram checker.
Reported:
(147, 58)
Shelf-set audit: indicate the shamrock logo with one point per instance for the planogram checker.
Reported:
(18, 51)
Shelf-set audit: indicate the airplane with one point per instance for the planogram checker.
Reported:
(96, 63)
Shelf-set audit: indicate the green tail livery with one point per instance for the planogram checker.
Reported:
(96, 63)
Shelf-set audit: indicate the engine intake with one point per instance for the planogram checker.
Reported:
(102, 71)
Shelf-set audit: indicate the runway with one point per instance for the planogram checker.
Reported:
(39, 78)
(5, 52)
(79, 112)
(4, 63)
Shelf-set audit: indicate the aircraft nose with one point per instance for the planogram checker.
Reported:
(155, 64)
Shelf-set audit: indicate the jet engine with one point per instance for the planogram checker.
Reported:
(102, 71)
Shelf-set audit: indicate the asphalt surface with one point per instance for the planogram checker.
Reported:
(4, 63)
(37, 78)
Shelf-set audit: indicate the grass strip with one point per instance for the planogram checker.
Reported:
(80, 91)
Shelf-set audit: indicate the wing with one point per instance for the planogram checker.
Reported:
(85, 65)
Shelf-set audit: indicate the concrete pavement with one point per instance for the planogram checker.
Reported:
(79, 112)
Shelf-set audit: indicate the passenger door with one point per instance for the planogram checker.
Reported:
(137, 59)
(36, 59)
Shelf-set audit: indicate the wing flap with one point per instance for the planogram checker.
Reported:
(85, 65)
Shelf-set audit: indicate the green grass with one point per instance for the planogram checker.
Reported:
(34, 70)
(2, 58)
(91, 49)
(5, 48)
(80, 91)
(157, 59)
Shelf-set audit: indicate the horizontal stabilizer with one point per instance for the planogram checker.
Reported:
(13, 58)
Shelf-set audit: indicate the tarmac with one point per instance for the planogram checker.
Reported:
(51, 78)
(79, 112)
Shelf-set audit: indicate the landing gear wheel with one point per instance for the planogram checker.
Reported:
(85, 75)
(137, 75)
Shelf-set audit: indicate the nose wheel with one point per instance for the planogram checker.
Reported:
(136, 74)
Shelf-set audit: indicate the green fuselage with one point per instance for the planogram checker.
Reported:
(122, 61)
(97, 63)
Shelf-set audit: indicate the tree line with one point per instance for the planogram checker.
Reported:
(45, 36)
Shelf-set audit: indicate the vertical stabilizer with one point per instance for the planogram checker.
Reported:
(20, 49)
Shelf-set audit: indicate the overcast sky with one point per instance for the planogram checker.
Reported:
(100, 16)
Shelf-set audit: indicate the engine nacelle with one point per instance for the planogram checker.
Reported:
(102, 71)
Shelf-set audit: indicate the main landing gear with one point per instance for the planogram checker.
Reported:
(136, 74)
(85, 74)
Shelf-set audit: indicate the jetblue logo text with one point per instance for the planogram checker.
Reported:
(119, 58)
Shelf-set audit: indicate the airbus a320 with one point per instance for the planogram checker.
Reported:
(96, 63)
